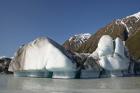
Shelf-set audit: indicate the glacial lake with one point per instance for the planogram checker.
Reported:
(11, 84)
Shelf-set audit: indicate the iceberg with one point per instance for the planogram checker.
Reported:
(42, 54)
(111, 54)
(44, 57)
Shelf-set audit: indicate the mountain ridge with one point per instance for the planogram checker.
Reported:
(76, 41)
(127, 28)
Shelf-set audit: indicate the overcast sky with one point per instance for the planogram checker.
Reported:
(22, 21)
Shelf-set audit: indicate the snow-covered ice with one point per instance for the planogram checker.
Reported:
(42, 53)
(111, 57)
(105, 46)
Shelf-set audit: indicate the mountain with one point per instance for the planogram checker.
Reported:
(4, 64)
(134, 45)
(74, 42)
(128, 29)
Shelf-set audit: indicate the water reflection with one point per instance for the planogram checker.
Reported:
(67, 85)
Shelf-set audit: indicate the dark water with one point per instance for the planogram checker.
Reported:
(11, 84)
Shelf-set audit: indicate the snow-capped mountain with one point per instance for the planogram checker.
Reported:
(129, 22)
(80, 38)
(1, 57)
(127, 28)
(76, 41)
(136, 15)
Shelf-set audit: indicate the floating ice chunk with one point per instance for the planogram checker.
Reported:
(43, 53)
(112, 58)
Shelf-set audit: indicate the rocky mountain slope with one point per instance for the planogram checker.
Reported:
(128, 29)
(74, 42)
(4, 64)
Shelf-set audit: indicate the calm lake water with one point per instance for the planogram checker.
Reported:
(11, 84)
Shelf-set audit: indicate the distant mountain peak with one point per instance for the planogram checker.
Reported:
(129, 22)
(136, 15)
(1, 57)
(76, 41)
(80, 37)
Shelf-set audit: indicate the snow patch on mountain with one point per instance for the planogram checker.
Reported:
(1, 57)
(136, 15)
(80, 38)
(121, 21)
(128, 26)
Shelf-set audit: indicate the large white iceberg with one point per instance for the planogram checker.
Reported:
(105, 46)
(42, 53)
(111, 54)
